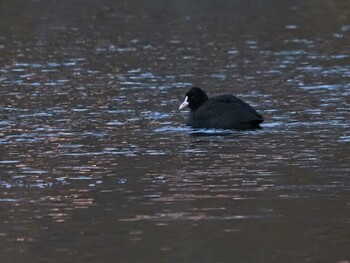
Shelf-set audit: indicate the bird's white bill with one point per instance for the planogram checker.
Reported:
(184, 104)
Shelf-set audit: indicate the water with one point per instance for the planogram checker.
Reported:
(97, 165)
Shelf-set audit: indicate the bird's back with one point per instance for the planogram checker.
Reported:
(225, 112)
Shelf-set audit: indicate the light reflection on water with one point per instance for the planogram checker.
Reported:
(94, 148)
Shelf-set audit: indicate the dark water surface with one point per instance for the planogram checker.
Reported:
(96, 164)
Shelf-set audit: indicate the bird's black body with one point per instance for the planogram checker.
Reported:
(220, 112)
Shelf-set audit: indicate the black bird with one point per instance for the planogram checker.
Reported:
(220, 112)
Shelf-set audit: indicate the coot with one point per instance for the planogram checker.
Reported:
(220, 112)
